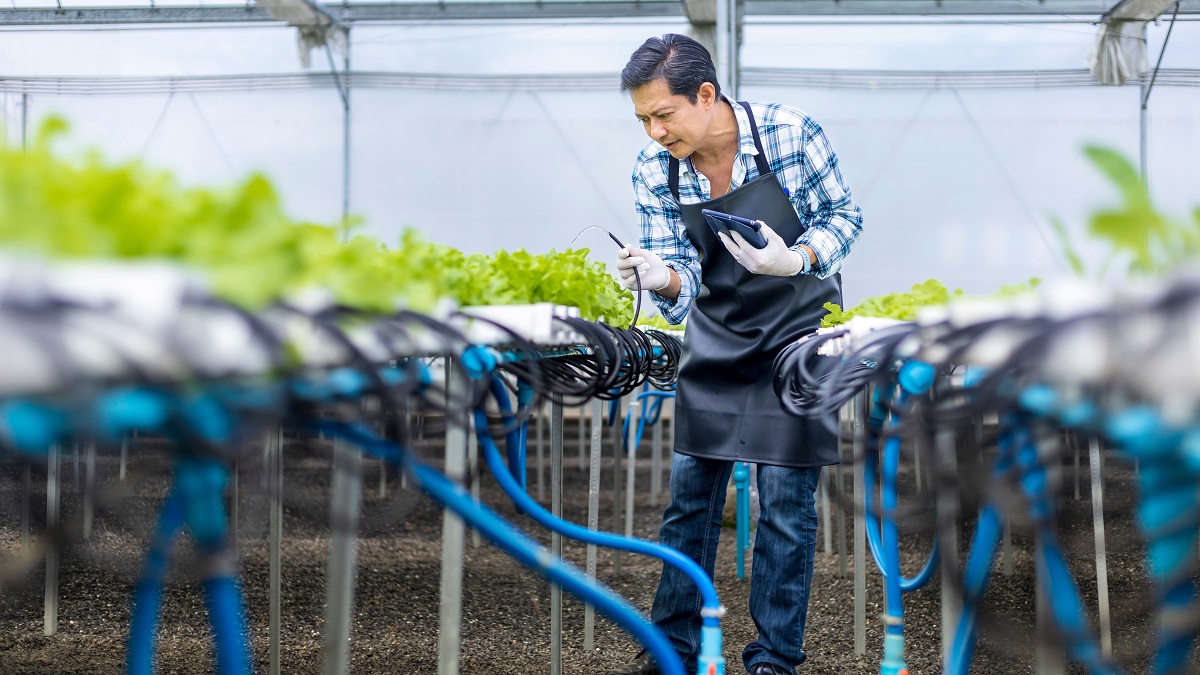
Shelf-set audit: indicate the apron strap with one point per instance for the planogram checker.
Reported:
(760, 159)
(764, 167)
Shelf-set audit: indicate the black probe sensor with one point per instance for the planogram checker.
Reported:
(637, 307)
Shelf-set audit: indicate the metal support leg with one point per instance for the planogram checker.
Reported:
(339, 591)
(618, 465)
(1096, 467)
(556, 507)
(656, 449)
(89, 490)
(450, 617)
(631, 466)
(75, 473)
(583, 464)
(124, 458)
(234, 514)
(541, 455)
(947, 523)
(858, 420)
(1075, 447)
(50, 614)
(26, 498)
(589, 612)
(274, 445)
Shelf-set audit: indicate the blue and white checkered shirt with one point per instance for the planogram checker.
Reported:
(807, 168)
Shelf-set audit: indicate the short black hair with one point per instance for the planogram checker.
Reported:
(684, 63)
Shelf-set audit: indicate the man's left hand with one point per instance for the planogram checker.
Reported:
(775, 259)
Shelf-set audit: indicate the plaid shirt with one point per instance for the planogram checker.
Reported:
(807, 168)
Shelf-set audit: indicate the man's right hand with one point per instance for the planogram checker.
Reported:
(655, 275)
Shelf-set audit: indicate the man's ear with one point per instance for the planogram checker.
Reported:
(707, 95)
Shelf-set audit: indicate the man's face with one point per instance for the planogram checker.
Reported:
(679, 125)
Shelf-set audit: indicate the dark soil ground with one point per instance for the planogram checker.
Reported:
(506, 613)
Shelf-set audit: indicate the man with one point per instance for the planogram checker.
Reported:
(772, 164)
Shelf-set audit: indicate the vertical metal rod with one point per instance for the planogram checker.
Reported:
(473, 469)
(826, 515)
(24, 121)
(631, 466)
(541, 454)
(383, 479)
(274, 445)
(582, 441)
(339, 591)
(1075, 446)
(1143, 129)
(50, 613)
(589, 612)
(27, 497)
(89, 490)
(656, 449)
(234, 513)
(858, 419)
(450, 616)
(618, 458)
(947, 523)
(346, 128)
(1096, 469)
(75, 473)
(556, 508)
(124, 458)
(839, 506)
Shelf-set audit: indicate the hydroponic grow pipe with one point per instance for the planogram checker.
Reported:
(501, 533)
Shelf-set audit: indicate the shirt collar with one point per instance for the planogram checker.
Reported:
(745, 137)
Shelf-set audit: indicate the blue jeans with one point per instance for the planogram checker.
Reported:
(783, 557)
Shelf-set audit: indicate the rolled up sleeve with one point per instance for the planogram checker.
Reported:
(833, 223)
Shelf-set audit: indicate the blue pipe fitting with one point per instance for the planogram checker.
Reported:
(1040, 400)
(479, 361)
(893, 655)
(711, 660)
(741, 480)
(916, 377)
(122, 410)
(31, 427)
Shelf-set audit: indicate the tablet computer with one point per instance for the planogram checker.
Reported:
(725, 223)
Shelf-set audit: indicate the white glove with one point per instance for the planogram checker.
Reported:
(775, 259)
(654, 273)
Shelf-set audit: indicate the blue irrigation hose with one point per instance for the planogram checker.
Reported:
(1064, 603)
(147, 593)
(644, 416)
(975, 579)
(1168, 488)
(501, 533)
(223, 598)
(491, 455)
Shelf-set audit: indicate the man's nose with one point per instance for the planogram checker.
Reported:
(658, 131)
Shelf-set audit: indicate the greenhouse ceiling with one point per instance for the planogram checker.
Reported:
(58, 12)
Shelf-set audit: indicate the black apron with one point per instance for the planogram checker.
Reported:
(726, 406)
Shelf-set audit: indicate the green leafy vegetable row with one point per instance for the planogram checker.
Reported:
(904, 306)
(253, 253)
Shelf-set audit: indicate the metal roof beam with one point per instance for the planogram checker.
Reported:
(939, 7)
(575, 9)
(347, 13)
